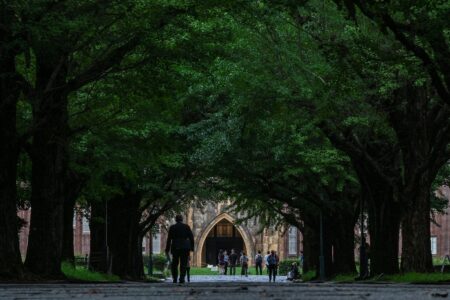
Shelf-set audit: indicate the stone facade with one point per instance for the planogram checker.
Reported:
(203, 221)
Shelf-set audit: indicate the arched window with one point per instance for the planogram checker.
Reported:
(293, 241)
(156, 241)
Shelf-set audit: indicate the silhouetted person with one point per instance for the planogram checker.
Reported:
(180, 242)
(244, 264)
(258, 263)
(273, 265)
(233, 259)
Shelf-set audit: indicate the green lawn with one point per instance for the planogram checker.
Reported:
(83, 274)
(418, 278)
(399, 278)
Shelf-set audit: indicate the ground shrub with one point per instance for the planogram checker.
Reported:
(285, 266)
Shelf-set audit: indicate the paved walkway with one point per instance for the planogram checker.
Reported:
(236, 278)
(222, 290)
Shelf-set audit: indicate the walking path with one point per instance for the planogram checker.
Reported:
(232, 278)
(223, 290)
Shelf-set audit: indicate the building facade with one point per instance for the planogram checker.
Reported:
(215, 228)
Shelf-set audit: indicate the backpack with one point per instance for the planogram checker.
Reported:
(272, 260)
(258, 259)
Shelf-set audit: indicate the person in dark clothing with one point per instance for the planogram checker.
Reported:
(273, 265)
(180, 241)
(258, 263)
(293, 274)
(232, 261)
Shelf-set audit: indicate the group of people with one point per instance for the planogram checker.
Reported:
(230, 261)
(180, 242)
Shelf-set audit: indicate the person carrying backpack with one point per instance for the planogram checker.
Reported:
(244, 264)
(258, 263)
(272, 265)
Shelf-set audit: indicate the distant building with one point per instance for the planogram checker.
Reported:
(214, 228)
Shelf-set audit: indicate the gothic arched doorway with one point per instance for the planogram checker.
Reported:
(225, 236)
(239, 232)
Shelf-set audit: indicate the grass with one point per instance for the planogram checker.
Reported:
(426, 278)
(417, 278)
(83, 274)
(308, 276)
(345, 278)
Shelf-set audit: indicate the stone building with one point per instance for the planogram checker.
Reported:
(440, 229)
(214, 228)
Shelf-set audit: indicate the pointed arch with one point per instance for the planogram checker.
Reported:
(248, 241)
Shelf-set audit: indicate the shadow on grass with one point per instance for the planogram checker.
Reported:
(416, 278)
(82, 274)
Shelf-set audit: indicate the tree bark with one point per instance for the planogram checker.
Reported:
(384, 226)
(10, 259)
(416, 249)
(124, 222)
(98, 248)
(344, 244)
(49, 156)
(310, 249)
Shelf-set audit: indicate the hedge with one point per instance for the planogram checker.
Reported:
(285, 266)
(159, 261)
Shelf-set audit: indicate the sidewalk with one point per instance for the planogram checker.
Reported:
(232, 278)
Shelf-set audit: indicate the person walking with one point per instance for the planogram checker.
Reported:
(226, 261)
(244, 264)
(258, 262)
(266, 262)
(221, 262)
(180, 241)
(232, 260)
(272, 265)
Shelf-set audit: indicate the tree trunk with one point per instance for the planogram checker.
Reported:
(384, 226)
(416, 249)
(310, 249)
(124, 244)
(311, 246)
(10, 259)
(98, 248)
(344, 245)
(67, 246)
(49, 156)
